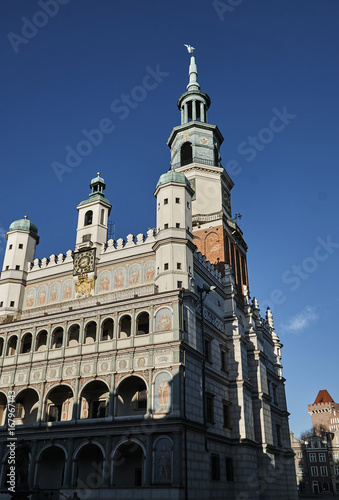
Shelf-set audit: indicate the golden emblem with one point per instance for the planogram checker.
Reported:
(84, 285)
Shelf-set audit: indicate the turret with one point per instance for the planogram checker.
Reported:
(93, 217)
(22, 238)
(174, 240)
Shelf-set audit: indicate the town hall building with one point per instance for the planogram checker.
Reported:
(141, 368)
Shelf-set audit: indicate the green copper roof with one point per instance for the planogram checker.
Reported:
(23, 225)
(95, 197)
(97, 179)
(173, 176)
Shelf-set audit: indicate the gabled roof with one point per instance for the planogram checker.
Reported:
(323, 397)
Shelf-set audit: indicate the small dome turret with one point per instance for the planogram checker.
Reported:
(24, 225)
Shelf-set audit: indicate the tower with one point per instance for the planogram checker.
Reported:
(174, 241)
(22, 238)
(195, 151)
(93, 217)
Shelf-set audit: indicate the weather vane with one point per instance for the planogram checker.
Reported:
(189, 48)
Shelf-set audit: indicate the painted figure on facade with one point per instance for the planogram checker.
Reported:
(42, 297)
(149, 271)
(105, 282)
(119, 279)
(30, 298)
(134, 276)
(163, 461)
(164, 323)
(54, 293)
(67, 291)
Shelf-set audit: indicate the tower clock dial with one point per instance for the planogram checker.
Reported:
(84, 262)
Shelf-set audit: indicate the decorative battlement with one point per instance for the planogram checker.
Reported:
(208, 266)
(130, 242)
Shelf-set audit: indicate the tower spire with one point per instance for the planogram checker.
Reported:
(193, 74)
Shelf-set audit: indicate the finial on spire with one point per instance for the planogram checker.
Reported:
(189, 48)
(98, 174)
(26, 217)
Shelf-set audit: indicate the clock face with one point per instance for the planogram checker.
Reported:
(84, 262)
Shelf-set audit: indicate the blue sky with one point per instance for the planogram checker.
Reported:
(257, 61)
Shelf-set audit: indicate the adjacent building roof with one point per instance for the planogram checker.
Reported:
(323, 397)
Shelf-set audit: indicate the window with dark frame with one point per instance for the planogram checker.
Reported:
(209, 408)
(227, 414)
(177, 200)
(166, 201)
(278, 430)
(21, 246)
(166, 266)
(229, 469)
(223, 354)
(215, 467)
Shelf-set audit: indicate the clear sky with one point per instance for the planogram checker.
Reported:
(271, 70)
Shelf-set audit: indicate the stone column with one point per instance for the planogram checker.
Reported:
(41, 403)
(32, 464)
(106, 467)
(69, 463)
(149, 460)
(202, 112)
(186, 113)
(194, 110)
(76, 401)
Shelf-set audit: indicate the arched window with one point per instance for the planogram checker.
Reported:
(132, 397)
(26, 343)
(102, 217)
(94, 400)
(89, 465)
(107, 329)
(90, 332)
(186, 154)
(1, 346)
(11, 346)
(88, 218)
(51, 468)
(41, 341)
(73, 335)
(57, 338)
(26, 407)
(129, 461)
(58, 404)
(125, 327)
(143, 323)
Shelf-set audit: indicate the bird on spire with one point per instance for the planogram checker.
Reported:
(189, 48)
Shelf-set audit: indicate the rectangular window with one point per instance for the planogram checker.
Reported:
(209, 409)
(313, 457)
(336, 470)
(323, 471)
(314, 470)
(278, 430)
(1, 303)
(7, 267)
(299, 454)
(223, 354)
(322, 457)
(336, 456)
(165, 226)
(166, 266)
(177, 225)
(12, 303)
(215, 467)
(188, 204)
(21, 246)
(179, 284)
(229, 469)
(177, 200)
(166, 201)
(301, 468)
(207, 348)
(178, 265)
(10, 247)
(275, 394)
(227, 414)
(17, 268)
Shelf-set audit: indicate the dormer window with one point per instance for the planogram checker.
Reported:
(88, 218)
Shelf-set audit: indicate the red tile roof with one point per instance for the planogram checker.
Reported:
(323, 397)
